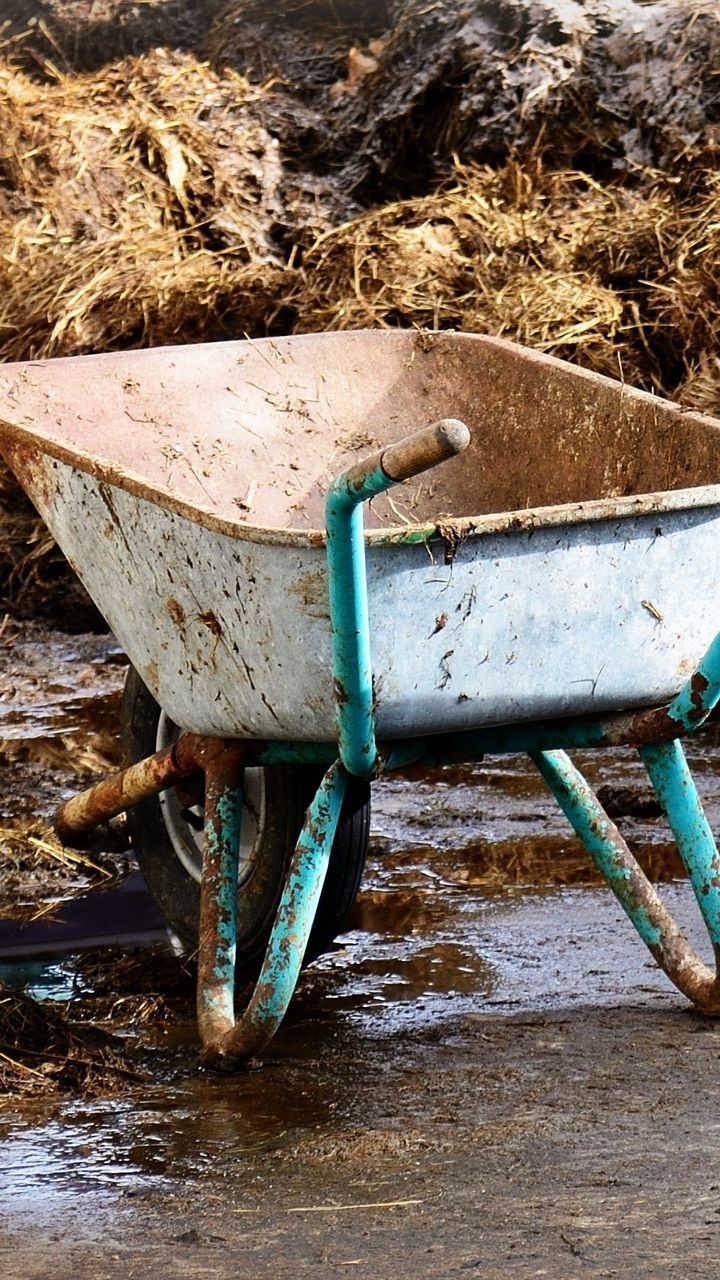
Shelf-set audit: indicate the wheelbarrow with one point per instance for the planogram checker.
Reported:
(527, 574)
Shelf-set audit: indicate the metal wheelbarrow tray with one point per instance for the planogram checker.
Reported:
(548, 587)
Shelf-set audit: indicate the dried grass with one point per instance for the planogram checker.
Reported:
(683, 297)
(38, 874)
(68, 751)
(119, 191)
(41, 1052)
(135, 987)
(37, 845)
(138, 206)
(510, 252)
(620, 277)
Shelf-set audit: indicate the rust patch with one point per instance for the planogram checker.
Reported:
(698, 688)
(28, 466)
(214, 627)
(223, 763)
(176, 611)
(655, 724)
(685, 668)
(312, 588)
(119, 792)
(210, 621)
(342, 697)
(452, 537)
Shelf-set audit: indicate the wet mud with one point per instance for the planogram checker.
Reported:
(487, 1076)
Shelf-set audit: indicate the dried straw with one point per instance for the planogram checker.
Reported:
(120, 189)
(138, 206)
(500, 251)
(41, 1052)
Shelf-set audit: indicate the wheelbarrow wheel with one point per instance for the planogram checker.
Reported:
(166, 834)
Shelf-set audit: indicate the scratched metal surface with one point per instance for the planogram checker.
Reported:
(233, 638)
(581, 539)
(246, 436)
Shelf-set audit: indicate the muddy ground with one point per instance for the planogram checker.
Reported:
(487, 1077)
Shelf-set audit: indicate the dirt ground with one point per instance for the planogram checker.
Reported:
(566, 1143)
(486, 1078)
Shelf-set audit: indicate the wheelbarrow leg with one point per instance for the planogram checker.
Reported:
(626, 878)
(218, 894)
(673, 782)
(227, 1042)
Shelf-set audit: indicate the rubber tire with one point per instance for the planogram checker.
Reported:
(288, 792)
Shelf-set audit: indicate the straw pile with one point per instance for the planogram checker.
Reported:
(41, 1052)
(496, 252)
(620, 278)
(545, 169)
(136, 207)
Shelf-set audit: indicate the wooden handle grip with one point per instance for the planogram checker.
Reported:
(425, 449)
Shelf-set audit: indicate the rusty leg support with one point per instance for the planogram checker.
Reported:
(628, 881)
(224, 767)
(225, 1041)
(122, 790)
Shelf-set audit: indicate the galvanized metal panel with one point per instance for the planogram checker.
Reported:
(233, 637)
(187, 488)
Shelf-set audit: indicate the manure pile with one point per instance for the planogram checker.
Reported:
(179, 170)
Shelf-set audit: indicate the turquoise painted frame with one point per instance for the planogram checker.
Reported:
(655, 732)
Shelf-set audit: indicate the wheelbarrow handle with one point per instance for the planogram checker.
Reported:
(347, 581)
(424, 449)
(416, 453)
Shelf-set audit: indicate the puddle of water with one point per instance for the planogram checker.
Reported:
(561, 951)
(97, 1153)
(43, 981)
(70, 1166)
(382, 983)
(55, 684)
(364, 1007)
(552, 950)
(437, 942)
